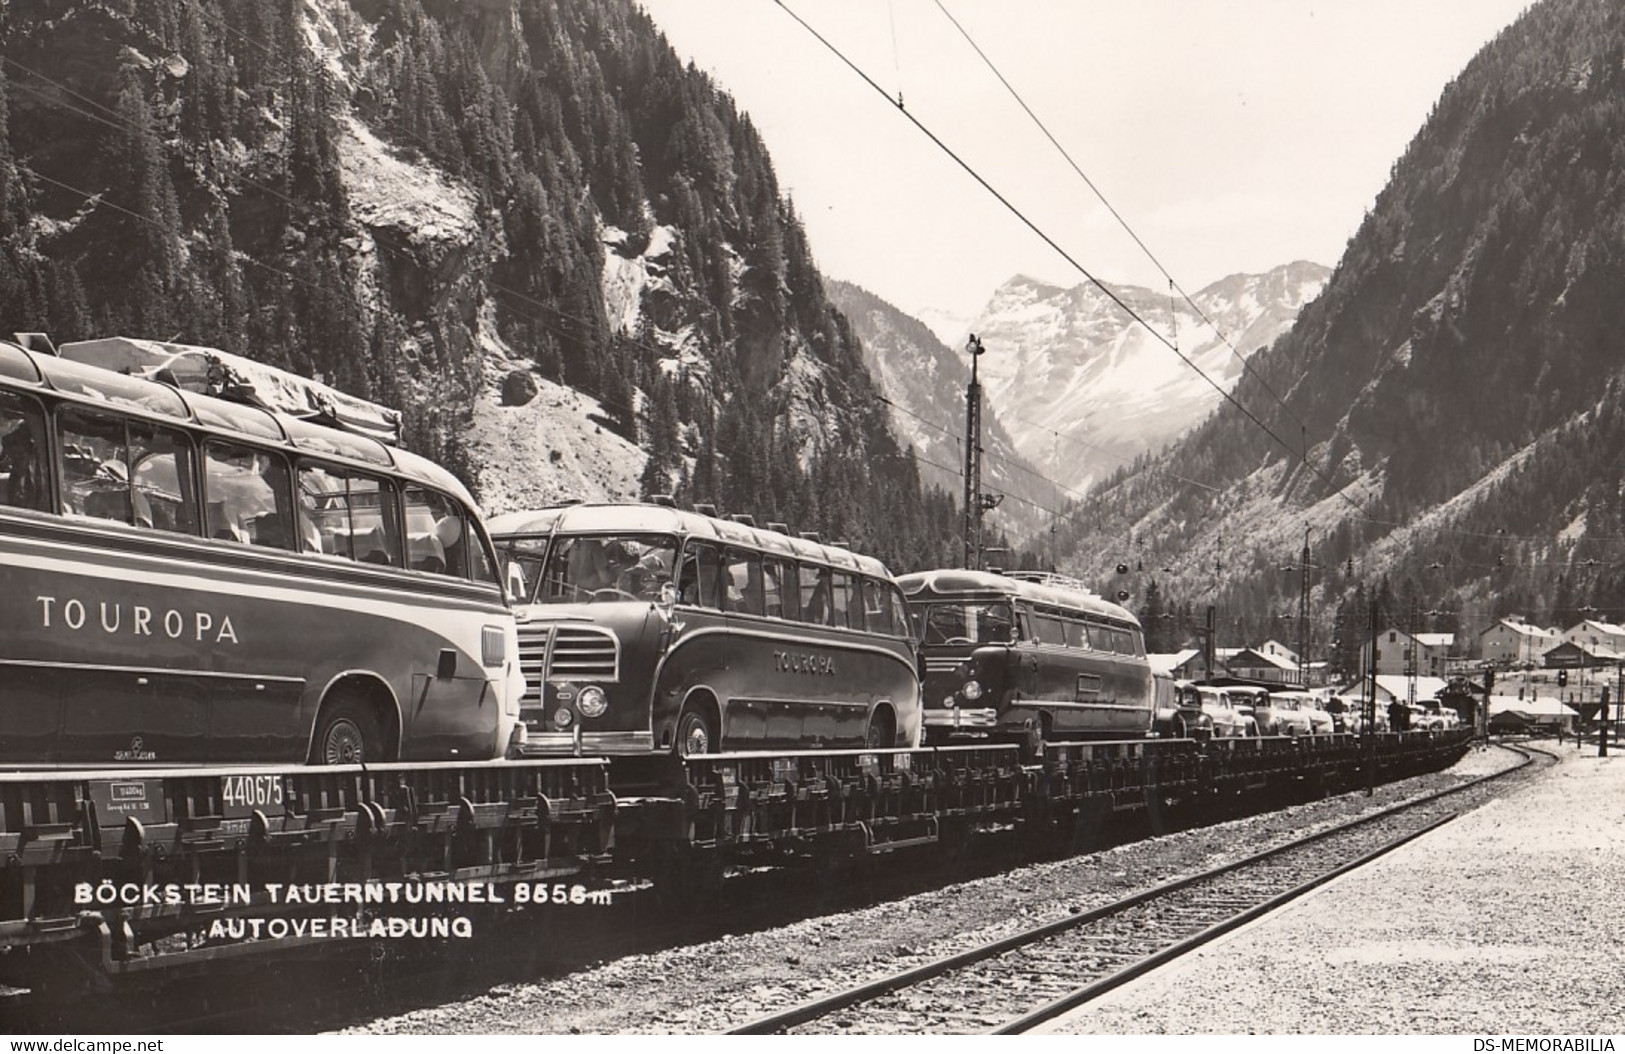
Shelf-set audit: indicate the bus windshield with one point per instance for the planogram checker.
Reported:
(589, 567)
(969, 623)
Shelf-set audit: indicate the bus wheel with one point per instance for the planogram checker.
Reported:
(349, 734)
(695, 734)
(880, 734)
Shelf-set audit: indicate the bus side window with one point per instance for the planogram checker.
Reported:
(876, 615)
(901, 617)
(773, 588)
(816, 604)
(113, 469)
(375, 529)
(22, 454)
(790, 588)
(743, 581)
(698, 578)
(247, 496)
(845, 612)
(163, 479)
(348, 514)
(1050, 629)
(437, 536)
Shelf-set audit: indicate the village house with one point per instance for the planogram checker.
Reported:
(1514, 642)
(1398, 652)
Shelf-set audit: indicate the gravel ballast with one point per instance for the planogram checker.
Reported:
(1509, 920)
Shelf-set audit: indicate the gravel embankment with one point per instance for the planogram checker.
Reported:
(713, 986)
(1507, 921)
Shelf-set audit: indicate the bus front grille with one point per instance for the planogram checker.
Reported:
(580, 653)
(533, 662)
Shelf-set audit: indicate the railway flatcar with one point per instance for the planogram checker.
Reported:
(189, 579)
(645, 629)
(1029, 658)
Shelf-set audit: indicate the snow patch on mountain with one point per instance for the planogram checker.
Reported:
(1084, 385)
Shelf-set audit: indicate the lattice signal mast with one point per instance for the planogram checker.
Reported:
(973, 459)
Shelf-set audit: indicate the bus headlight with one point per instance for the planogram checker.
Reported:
(562, 717)
(592, 702)
(972, 690)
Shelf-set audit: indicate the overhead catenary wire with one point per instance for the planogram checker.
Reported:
(1071, 260)
(988, 61)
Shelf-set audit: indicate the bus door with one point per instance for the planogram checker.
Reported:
(762, 704)
(455, 700)
(123, 707)
(1127, 680)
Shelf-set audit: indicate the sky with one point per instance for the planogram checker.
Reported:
(1230, 135)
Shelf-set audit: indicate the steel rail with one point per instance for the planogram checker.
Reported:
(824, 1005)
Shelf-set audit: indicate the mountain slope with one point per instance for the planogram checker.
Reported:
(926, 382)
(1456, 380)
(562, 253)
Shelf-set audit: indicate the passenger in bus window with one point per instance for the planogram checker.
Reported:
(644, 578)
(743, 579)
(22, 430)
(817, 604)
(162, 470)
(589, 567)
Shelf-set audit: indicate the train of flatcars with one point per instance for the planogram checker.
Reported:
(267, 681)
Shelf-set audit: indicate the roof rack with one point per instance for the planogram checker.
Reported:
(210, 371)
(1050, 578)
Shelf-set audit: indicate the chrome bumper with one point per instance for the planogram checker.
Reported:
(959, 717)
(564, 744)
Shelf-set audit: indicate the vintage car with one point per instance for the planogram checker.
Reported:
(1300, 713)
(1425, 720)
(1179, 713)
(1275, 711)
(1228, 720)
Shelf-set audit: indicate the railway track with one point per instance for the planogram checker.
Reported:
(1016, 983)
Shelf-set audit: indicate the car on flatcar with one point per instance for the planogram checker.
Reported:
(1307, 704)
(644, 628)
(1179, 712)
(1229, 722)
(1279, 712)
(1423, 719)
(191, 579)
(1027, 657)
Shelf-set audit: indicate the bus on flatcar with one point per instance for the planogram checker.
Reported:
(1029, 658)
(190, 579)
(646, 629)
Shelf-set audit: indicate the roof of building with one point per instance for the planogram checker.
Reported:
(1608, 629)
(1246, 655)
(1540, 706)
(1168, 662)
(1520, 627)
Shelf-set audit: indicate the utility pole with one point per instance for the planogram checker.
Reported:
(1369, 725)
(1303, 616)
(973, 460)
